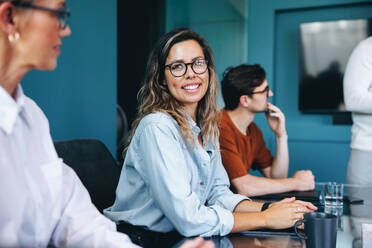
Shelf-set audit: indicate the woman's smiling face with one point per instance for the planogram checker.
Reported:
(190, 88)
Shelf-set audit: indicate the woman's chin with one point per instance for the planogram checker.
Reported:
(47, 66)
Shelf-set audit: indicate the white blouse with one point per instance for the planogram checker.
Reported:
(42, 200)
(358, 94)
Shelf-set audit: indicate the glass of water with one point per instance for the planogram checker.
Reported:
(333, 194)
(333, 200)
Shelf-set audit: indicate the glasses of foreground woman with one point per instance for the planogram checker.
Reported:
(172, 179)
(42, 200)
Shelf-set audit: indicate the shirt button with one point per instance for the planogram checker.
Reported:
(201, 183)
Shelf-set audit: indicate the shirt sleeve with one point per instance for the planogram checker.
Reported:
(231, 159)
(358, 79)
(81, 224)
(170, 182)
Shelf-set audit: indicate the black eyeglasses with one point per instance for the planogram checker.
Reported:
(178, 69)
(63, 14)
(266, 90)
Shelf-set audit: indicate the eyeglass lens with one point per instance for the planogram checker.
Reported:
(62, 18)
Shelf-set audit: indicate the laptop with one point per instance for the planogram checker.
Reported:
(313, 196)
(272, 232)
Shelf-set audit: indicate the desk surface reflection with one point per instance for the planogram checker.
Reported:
(349, 234)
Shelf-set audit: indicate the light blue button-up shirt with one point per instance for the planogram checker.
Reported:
(168, 183)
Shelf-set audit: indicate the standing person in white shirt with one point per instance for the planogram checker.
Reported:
(358, 100)
(42, 201)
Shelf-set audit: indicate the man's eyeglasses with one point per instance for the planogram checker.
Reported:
(62, 14)
(178, 69)
(266, 90)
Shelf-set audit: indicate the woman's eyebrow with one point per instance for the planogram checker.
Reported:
(62, 4)
(182, 61)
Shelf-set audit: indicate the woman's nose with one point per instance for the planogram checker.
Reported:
(66, 31)
(189, 71)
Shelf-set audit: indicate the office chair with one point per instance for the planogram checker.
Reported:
(122, 133)
(95, 166)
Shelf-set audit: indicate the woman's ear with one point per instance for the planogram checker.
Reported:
(7, 11)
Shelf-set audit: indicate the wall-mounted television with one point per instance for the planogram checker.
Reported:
(325, 48)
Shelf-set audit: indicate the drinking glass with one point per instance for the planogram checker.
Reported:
(333, 200)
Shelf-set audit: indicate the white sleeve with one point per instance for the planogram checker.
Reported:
(358, 79)
(81, 224)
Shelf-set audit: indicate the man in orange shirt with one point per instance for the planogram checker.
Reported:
(245, 91)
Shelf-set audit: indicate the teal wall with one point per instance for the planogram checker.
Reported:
(79, 97)
(221, 22)
(266, 32)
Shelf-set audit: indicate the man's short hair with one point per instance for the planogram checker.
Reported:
(240, 80)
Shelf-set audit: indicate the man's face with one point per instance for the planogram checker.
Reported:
(259, 98)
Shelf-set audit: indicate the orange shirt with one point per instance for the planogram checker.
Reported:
(241, 152)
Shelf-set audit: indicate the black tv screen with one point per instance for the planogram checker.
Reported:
(325, 48)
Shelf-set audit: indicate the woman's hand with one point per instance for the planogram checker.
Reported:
(285, 213)
(197, 243)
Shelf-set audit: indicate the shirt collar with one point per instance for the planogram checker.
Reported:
(10, 108)
(193, 125)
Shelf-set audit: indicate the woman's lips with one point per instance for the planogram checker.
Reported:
(57, 49)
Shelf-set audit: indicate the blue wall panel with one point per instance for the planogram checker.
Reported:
(222, 23)
(327, 160)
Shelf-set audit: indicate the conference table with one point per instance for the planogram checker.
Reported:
(355, 219)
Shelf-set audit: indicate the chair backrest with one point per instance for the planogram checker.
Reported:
(122, 124)
(123, 133)
(95, 166)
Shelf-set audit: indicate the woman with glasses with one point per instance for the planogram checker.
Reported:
(173, 178)
(42, 200)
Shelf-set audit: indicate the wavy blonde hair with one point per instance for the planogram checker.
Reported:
(154, 95)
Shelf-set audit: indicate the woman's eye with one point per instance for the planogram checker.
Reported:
(199, 62)
(177, 66)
